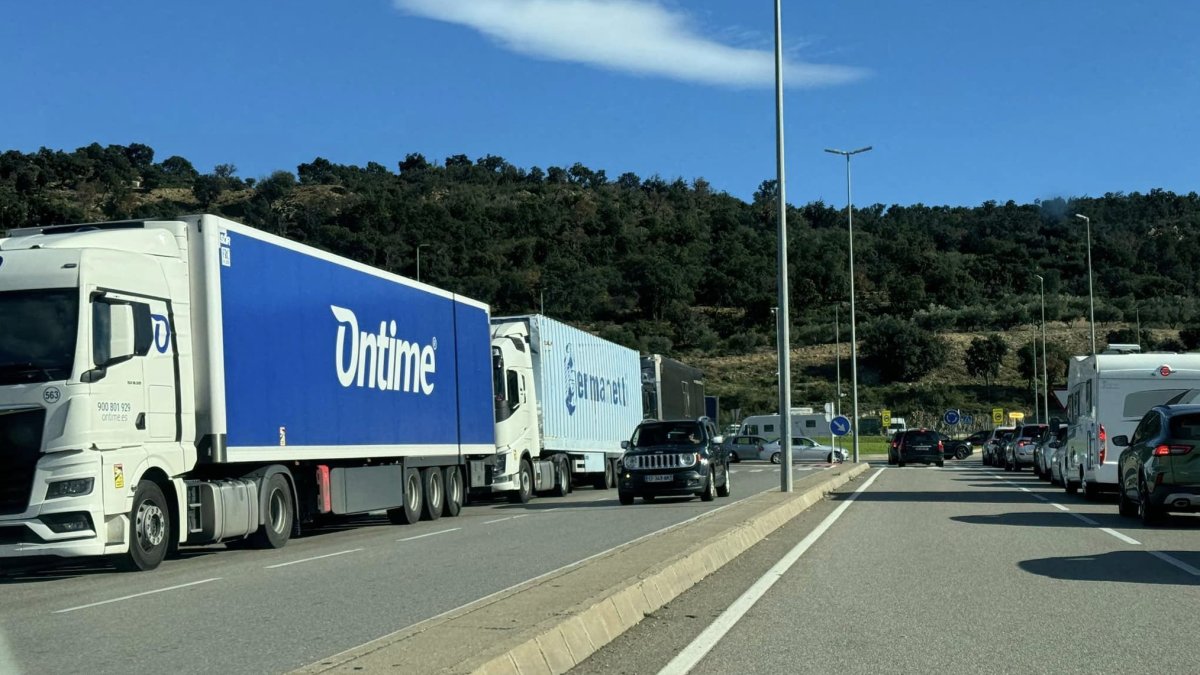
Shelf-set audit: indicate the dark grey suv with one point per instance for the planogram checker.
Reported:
(673, 458)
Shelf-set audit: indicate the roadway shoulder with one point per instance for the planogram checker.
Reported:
(554, 622)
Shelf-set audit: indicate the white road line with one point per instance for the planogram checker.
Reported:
(1170, 560)
(136, 595)
(1084, 518)
(757, 470)
(430, 534)
(600, 499)
(1060, 507)
(1041, 498)
(1118, 535)
(501, 520)
(691, 655)
(316, 557)
(1024, 489)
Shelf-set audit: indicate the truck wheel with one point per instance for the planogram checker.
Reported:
(562, 479)
(150, 527)
(411, 511)
(277, 521)
(435, 495)
(723, 489)
(524, 489)
(454, 492)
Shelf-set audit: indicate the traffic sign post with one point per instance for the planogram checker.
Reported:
(997, 416)
(951, 417)
(885, 418)
(840, 425)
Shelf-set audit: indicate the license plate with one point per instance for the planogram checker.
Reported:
(660, 479)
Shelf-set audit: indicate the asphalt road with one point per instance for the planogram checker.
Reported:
(964, 569)
(231, 611)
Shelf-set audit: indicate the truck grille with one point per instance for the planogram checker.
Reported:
(20, 447)
(673, 460)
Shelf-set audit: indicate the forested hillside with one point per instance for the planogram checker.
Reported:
(672, 265)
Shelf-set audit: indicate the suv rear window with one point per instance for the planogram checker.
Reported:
(1185, 427)
(1032, 432)
(921, 438)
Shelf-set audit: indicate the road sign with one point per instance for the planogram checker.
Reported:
(951, 417)
(1016, 416)
(840, 425)
(885, 417)
(967, 419)
(997, 415)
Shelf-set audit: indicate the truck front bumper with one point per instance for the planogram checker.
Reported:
(69, 526)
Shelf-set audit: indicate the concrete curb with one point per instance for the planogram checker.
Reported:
(571, 634)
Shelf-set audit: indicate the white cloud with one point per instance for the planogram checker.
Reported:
(636, 36)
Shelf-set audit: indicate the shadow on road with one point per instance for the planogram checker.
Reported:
(974, 497)
(38, 570)
(1024, 519)
(1134, 567)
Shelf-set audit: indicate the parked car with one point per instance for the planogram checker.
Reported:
(673, 458)
(966, 447)
(920, 445)
(1159, 468)
(994, 443)
(1044, 449)
(743, 447)
(1018, 451)
(804, 449)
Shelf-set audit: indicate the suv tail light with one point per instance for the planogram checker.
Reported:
(1164, 450)
(940, 446)
(1103, 443)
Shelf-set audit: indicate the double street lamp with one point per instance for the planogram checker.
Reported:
(1091, 296)
(1045, 381)
(853, 324)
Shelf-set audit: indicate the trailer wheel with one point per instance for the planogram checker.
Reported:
(524, 490)
(562, 478)
(277, 521)
(411, 511)
(150, 527)
(435, 494)
(454, 492)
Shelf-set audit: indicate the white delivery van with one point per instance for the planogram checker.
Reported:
(1108, 394)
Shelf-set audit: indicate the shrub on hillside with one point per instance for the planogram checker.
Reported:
(900, 350)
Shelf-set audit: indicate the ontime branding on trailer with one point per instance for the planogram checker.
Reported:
(379, 360)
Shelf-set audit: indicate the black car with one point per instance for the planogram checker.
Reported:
(920, 445)
(673, 458)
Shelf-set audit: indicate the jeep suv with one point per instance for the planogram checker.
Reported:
(673, 458)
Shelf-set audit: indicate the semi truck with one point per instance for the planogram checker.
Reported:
(194, 380)
(671, 390)
(587, 389)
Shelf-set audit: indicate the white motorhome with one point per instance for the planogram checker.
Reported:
(1107, 394)
(805, 422)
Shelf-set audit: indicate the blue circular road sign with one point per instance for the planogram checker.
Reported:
(840, 425)
(951, 417)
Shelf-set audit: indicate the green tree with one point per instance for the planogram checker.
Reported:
(900, 350)
(984, 357)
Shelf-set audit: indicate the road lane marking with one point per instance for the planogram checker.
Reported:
(757, 470)
(1118, 535)
(432, 534)
(699, 648)
(1060, 507)
(1040, 498)
(136, 595)
(316, 557)
(1171, 560)
(501, 520)
(1085, 519)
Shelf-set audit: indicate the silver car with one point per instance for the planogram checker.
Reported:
(1043, 453)
(804, 449)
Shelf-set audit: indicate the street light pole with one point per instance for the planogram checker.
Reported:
(1091, 296)
(1045, 378)
(784, 338)
(853, 318)
(837, 359)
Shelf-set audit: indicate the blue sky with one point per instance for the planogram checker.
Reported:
(963, 101)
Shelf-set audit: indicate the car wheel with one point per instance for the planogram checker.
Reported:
(891, 459)
(1091, 491)
(733, 457)
(1071, 487)
(1126, 506)
(723, 489)
(775, 458)
(625, 498)
(960, 454)
(1149, 514)
(899, 462)
(710, 490)
(941, 463)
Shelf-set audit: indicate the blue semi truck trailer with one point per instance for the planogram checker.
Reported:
(194, 380)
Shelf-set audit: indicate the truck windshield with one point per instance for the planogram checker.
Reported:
(37, 334)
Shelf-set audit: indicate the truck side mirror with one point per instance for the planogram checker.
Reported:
(1120, 441)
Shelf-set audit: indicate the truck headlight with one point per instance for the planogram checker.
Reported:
(75, 487)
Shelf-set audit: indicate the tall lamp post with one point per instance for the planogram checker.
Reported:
(837, 360)
(784, 338)
(853, 323)
(1091, 296)
(1045, 379)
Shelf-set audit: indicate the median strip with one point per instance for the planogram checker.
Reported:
(553, 623)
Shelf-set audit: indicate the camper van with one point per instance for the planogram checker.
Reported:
(805, 422)
(1107, 395)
